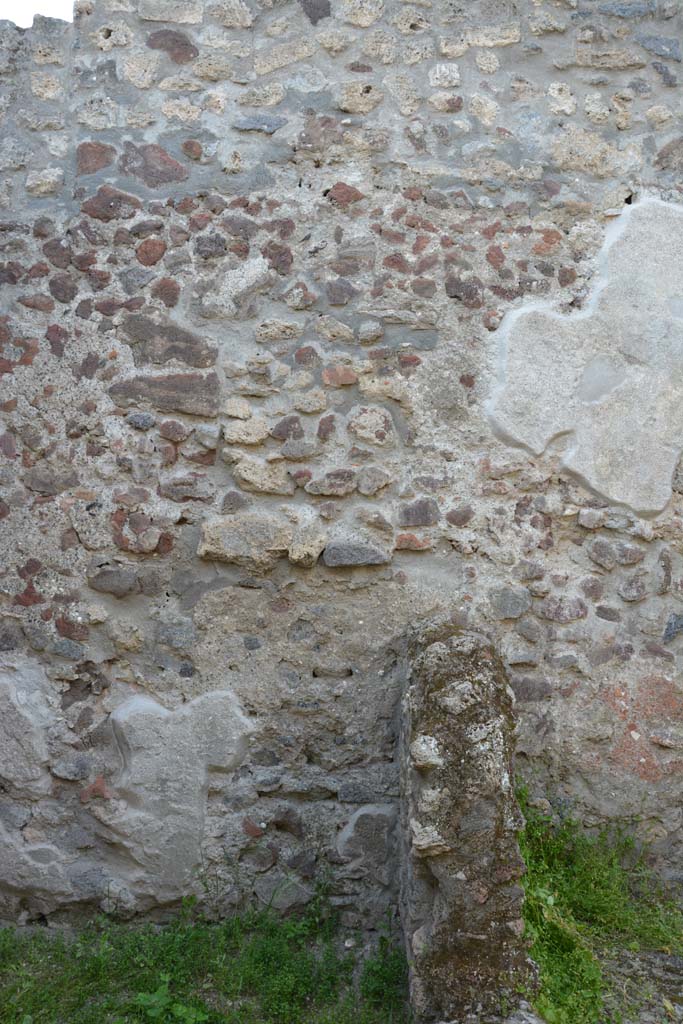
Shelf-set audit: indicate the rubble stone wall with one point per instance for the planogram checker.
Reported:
(320, 319)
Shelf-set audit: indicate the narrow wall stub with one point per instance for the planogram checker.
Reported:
(461, 898)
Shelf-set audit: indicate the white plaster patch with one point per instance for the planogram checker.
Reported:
(158, 813)
(610, 377)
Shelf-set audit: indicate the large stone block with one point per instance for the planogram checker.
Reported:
(254, 540)
(191, 393)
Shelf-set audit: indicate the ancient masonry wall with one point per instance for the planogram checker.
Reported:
(273, 394)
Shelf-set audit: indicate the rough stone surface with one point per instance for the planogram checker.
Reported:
(269, 276)
(250, 539)
(461, 897)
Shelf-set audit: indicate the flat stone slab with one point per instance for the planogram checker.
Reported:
(610, 376)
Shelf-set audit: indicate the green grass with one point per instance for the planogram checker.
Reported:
(587, 897)
(253, 969)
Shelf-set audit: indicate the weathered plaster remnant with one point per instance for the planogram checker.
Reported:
(461, 896)
(26, 713)
(157, 808)
(608, 377)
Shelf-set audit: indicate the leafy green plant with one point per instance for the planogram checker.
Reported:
(384, 976)
(160, 1005)
(587, 895)
(254, 968)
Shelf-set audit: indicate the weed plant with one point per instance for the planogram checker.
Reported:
(587, 897)
(254, 969)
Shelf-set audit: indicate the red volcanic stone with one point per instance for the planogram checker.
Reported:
(174, 430)
(8, 445)
(70, 629)
(56, 336)
(150, 251)
(326, 427)
(251, 829)
(58, 253)
(566, 276)
(93, 156)
(468, 292)
(240, 227)
(167, 291)
(409, 542)
(299, 296)
(63, 288)
(192, 149)
(45, 479)
(110, 204)
(98, 279)
(177, 45)
(29, 597)
(155, 342)
(288, 428)
(388, 234)
(42, 303)
(31, 568)
(339, 376)
(495, 256)
(108, 307)
(199, 221)
(96, 790)
(69, 539)
(423, 512)
(43, 228)
(396, 261)
(187, 205)
(283, 226)
(550, 238)
(563, 609)
(152, 164)
(89, 366)
(337, 482)
(165, 545)
(83, 261)
(344, 195)
(144, 228)
(491, 320)
(279, 257)
(460, 516)
(35, 272)
(423, 286)
(192, 393)
(301, 477)
(11, 273)
(306, 355)
(339, 292)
